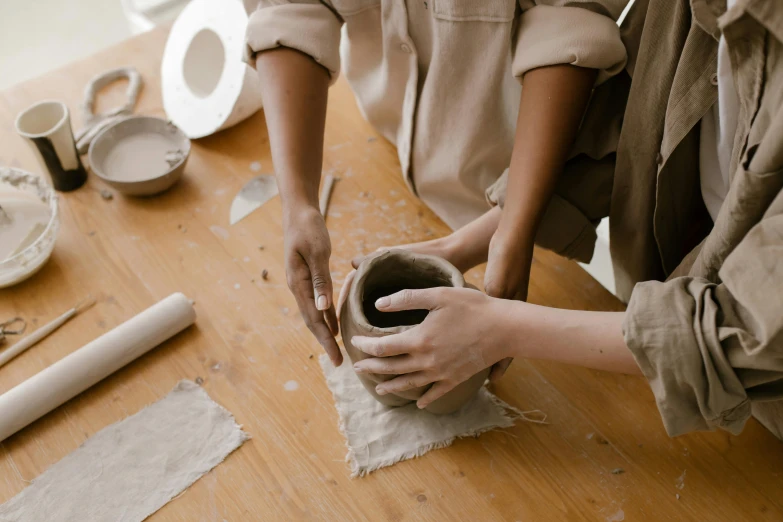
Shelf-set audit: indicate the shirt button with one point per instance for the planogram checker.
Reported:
(714, 79)
(405, 48)
(659, 159)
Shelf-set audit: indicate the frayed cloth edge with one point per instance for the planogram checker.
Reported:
(510, 415)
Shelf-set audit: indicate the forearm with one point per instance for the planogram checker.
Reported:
(469, 246)
(590, 339)
(552, 105)
(294, 90)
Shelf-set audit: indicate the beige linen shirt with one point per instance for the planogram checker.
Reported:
(440, 78)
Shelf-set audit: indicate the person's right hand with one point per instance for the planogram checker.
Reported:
(307, 251)
(464, 332)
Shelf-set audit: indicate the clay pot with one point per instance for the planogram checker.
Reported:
(384, 274)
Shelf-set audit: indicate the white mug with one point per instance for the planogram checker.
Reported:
(47, 127)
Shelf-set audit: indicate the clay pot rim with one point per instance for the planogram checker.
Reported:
(355, 299)
(51, 130)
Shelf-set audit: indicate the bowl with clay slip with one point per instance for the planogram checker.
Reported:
(29, 223)
(140, 155)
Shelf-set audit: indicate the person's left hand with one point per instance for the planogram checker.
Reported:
(464, 333)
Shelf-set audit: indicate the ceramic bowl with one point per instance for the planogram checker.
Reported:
(140, 155)
(26, 263)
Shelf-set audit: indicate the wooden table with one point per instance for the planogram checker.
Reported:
(604, 456)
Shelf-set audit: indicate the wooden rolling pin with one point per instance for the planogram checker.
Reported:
(95, 361)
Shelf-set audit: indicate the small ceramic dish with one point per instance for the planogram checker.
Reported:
(140, 156)
(30, 259)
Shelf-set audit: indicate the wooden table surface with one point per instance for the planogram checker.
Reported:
(249, 340)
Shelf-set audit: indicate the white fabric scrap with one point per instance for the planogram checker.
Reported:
(378, 436)
(130, 469)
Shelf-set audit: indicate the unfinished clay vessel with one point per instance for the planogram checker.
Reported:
(384, 274)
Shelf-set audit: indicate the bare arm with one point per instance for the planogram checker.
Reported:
(553, 102)
(294, 90)
(591, 339)
(466, 331)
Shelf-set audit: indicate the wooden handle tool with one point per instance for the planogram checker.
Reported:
(44, 331)
(326, 194)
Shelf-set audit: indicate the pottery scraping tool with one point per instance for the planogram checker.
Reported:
(262, 188)
(255, 193)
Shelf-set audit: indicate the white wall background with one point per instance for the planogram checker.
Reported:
(40, 35)
(37, 36)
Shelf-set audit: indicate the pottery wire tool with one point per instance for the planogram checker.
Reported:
(15, 326)
(43, 331)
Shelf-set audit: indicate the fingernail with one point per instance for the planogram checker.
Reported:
(358, 369)
(380, 391)
(321, 303)
(421, 405)
(383, 302)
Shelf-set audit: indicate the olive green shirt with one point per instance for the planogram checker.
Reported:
(710, 339)
(705, 316)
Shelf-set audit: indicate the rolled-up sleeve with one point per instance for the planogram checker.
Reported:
(310, 27)
(709, 349)
(553, 32)
(496, 193)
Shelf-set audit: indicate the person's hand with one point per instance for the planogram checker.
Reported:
(508, 266)
(307, 251)
(507, 276)
(464, 248)
(464, 333)
(446, 247)
(434, 247)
